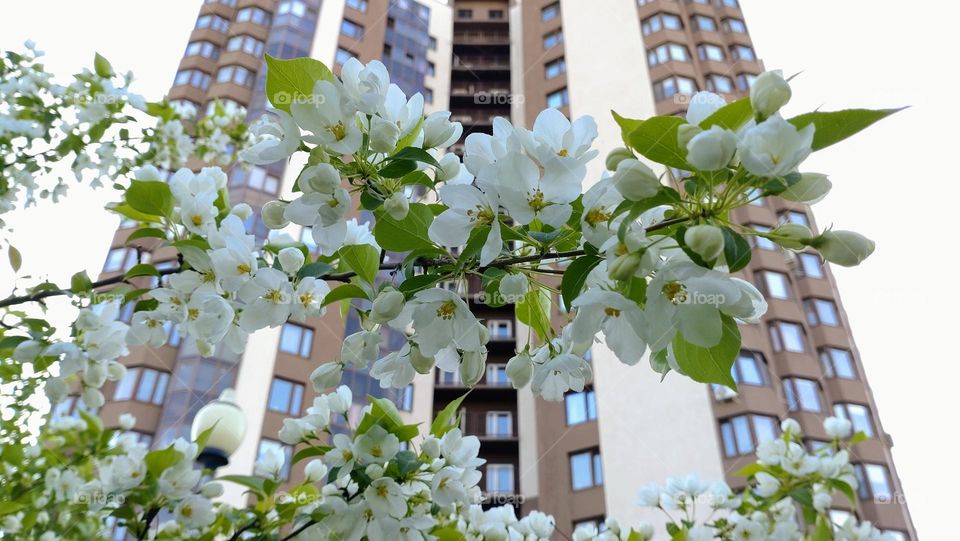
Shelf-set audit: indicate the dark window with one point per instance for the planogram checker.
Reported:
(351, 29)
(555, 67)
(553, 38)
(558, 98)
(550, 12)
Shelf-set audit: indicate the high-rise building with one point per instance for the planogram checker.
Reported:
(486, 58)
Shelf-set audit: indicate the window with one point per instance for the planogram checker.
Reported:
(745, 81)
(343, 55)
(549, 13)
(194, 78)
(857, 414)
(558, 98)
(497, 375)
(214, 22)
(734, 25)
(821, 312)
(447, 378)
(247, 44)
(285, 397)
(173, 333)
(586, 469)
(428, 95)
(708, 51)
(552, 38)
(761, 242)
(464, 13)
(359, 5)
(598, 524)
(143, 385)
(742, 433)
(837, 363)
(297, 7)
(204, 49)
(254, 15)
(431, 69)
(296, 340)
(742, 52)
(788, 336)
(120, 259)
(749, 368)
(270, 445)
(581, 406)
(873, 482)
(405, 400)
(499, 478)
(703, 23)
(894, 535)
(667, 52)
(671, 86)
(495, 14)
(810, 265)
(351, 29)
(794, 217)
(256, 178)
(720, 84)
(500, 329)
(236, 74)
(802, 394)
(730, 3)
(499, 424)
(660, 22)
(555, 67)
(774, 284)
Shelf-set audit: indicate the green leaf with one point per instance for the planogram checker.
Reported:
(346, 291)
(253, 483)
(315, 269)
(447, 420)
(102, 66)
(448, 533)
(731, 116)
(656, 139)
(736, 250)
(823, 531)
(127, 211)
(143, 269)
(16, 260)
(146, 232)
(362, 259)
(534, 310)
(416, 177)
(575, 276)
(418, 282)
(150, 197)
(751, 470)
(398, 168)
(408, 234)
(204, 436)
(409, 138)
(161, 459)
(309, 452)
(415, 154)
(289, 81)
(80, 283)
(627, 125)
(714, 364)
(835, 126)
(383, 412)
(7, 507)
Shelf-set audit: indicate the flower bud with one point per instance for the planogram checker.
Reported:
(211, 490)
(838, 428)
(374, 471)
(421, 363)
(242, 211)
(845, 248)
(315, 471)
(811, 188)
(92, 397)
(27, 351)
(116, 371)
(384, 135)
(635, 181)
(705, 241)
(87, 320)
(686, 132)
(291, 259)
(793, 236)
(127, 421)
(430, 446)
(326, 375)
(645, 530)
(56, 390)
(616, 156)
(624, 267)
(321, 178)
(712, 149)
(387, 306)
(471, 368)
(272, 214)
(439, 132)
(769, 92)
(520, 370)
(791, 426)
(397, 206)
(513, 287)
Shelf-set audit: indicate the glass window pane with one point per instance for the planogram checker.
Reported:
(729, 440)
(860, 418)
(879, 482)
(296, 402)
(765, 427)
(811, 266)
(290, 338)
(147, 381)
(597, 470)
(741, 428)
(576, 408)
(161, 390)
(280, 395)
(749, 370)
(843, 363)
(808, 394)
(591, 405)
(581, 470)
(793, 339)
(778, 286)
(124, 390)
(307, 345)
(827, 312)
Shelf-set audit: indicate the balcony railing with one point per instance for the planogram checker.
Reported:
(480, 63)
(482, 38)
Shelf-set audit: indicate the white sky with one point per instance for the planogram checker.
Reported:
(853, 53)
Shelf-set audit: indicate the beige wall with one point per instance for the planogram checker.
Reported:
(441, 28)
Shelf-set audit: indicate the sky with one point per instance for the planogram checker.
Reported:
(887, 182)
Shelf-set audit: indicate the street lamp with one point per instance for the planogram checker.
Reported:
(226, 419)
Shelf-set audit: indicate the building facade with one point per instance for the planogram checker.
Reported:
(486, 58)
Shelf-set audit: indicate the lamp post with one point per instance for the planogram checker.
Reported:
(228, 425)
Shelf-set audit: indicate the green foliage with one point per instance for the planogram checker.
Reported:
(656, 139)
(534, 311)
(448, 418)
(292, 81)
(835, 126)
(151, 198)
(343, 292)
(384, 413)
(714, 364)
(731, 116)
(575, 277)
(404, 235)
(362, 259)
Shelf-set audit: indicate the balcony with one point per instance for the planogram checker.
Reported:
(480, 63)
(481, 38)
